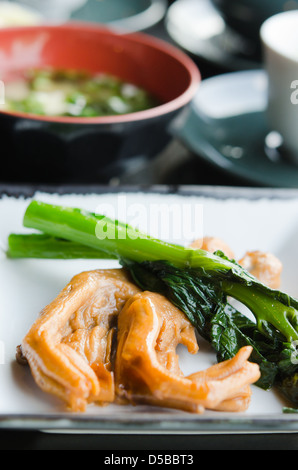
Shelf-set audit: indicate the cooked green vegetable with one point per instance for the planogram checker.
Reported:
(74, 93)
(199, 283)
(41, 246)
(101, 233)
(287, 410)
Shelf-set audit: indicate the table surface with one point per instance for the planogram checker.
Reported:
(13, 440)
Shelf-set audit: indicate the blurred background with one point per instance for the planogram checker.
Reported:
(221, 138)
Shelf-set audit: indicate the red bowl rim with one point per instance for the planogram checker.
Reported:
(143, 38)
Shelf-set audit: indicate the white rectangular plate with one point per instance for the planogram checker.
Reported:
(246, 220)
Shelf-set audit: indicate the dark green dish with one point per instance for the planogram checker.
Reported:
(132, 15)
(228, 128)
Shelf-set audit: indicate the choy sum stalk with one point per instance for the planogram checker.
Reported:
(101, 233)
(42, 246)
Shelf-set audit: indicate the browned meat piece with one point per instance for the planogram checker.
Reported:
(147, 369)
(69, 346)
(227, 377)
(264, 266)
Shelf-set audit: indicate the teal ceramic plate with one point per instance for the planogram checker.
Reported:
(199, 28)
(129, 15)
(228, 128)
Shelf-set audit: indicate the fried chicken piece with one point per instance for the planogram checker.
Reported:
(264, 266)
(147, 366)
(69, 346)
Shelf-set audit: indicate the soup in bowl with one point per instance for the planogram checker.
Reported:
(146, 82)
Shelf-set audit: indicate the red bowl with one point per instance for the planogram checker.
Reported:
(160, 68)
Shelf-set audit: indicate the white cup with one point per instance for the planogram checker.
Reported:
(279, 35)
